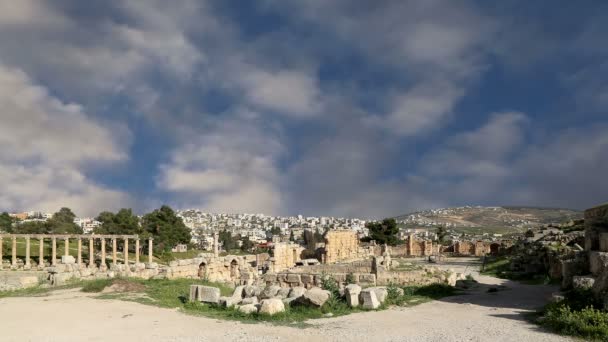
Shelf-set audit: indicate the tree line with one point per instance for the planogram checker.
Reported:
(162, 225)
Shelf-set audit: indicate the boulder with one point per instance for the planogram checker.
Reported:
(68, 259)
(582, 282)
(352, 292)
(269, 292)
(271, 306)
(209, 294)
(229, 301)
(238, 292)
(250, 300)
(249, 291)
(380, 291)
(314, 297)
(296, 292)
(248, 308)
(283, 292)
(289, 300)
(368, 299)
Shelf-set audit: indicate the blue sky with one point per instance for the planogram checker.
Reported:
(345, 108)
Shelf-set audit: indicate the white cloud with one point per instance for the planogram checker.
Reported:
(289, 92)
(230, 168)
(45, 145)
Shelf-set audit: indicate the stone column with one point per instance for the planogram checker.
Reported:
(113, 251)
(54, 251)
(125, 251)
(103, 266)
(137, 251)
(27, 251)
(91, 253)
(14, 260)
(79, 260)
(150, 250)
(40, 252)
(67, 246)
(216, 245)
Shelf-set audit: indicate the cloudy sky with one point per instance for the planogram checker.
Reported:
(346, 108)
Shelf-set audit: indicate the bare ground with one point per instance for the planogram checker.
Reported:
(477, 316)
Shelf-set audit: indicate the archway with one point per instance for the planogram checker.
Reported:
(494, 248)
(202, 270)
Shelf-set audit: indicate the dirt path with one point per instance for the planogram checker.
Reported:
(478, 316)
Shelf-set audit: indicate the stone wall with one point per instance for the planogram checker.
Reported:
(341, 245)
(286, 254)
(308, 280)
(595, 224)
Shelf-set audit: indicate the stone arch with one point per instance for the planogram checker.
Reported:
(202, 270)
(494, 248)
(234, 269)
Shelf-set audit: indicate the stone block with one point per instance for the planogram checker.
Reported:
(293, 278)
(352, 292)
(270, 292)
(296, 292)
(67, 260)
(271, 306)
(380, 291)
(283, 292)
(173, 263)
(249, 291)
(151, 265)
(229, 302)
(248, 308)
(238, 291)
(603, 242)
(306, 278)
(368, 299)
(315, 297)
(250, 300)
(582, 282)
(209, 294)
(288, 301)
(194, 293)
(598, 262)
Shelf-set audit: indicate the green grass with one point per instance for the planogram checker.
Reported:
(174, 294)
(579, 314)
(96, 285)
(499, 267)
(39, 290)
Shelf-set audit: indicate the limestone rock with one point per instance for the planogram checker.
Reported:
(271, 306)
(250, 300)
(368, 299)
(209, 294)
(269, 292)
(380, 291)
(283, 292)
(248, 308)
(297, 292)
(229, 302)
(67, 259)
(249, 291)
(238, 292)
(289, 300)
(314, 297)
(352, 292)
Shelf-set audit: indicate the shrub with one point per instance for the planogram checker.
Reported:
(588, 323)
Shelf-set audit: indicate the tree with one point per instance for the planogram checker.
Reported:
(228, 242)
(123, 223)
(31, 227)
(6, 222)
(275, 231)
(441, 234)
(291, 237)
(384, 232)
(247, 245)
(166, 228)
(62, 222)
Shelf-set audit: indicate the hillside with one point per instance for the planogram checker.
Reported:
(516, 218)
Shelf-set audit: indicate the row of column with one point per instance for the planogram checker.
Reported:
(79, 258)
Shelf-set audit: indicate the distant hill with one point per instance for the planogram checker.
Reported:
(516, 218)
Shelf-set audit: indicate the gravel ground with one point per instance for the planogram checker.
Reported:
(477, 316)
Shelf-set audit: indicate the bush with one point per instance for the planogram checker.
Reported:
(588, 323)
(579, 314)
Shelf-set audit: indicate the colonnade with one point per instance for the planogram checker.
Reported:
(66, 241)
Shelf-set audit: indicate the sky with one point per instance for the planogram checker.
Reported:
(345, 108)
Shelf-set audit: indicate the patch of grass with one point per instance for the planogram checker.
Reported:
(500, 267)
(39, 290)
(579, 314)
(96, 285)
